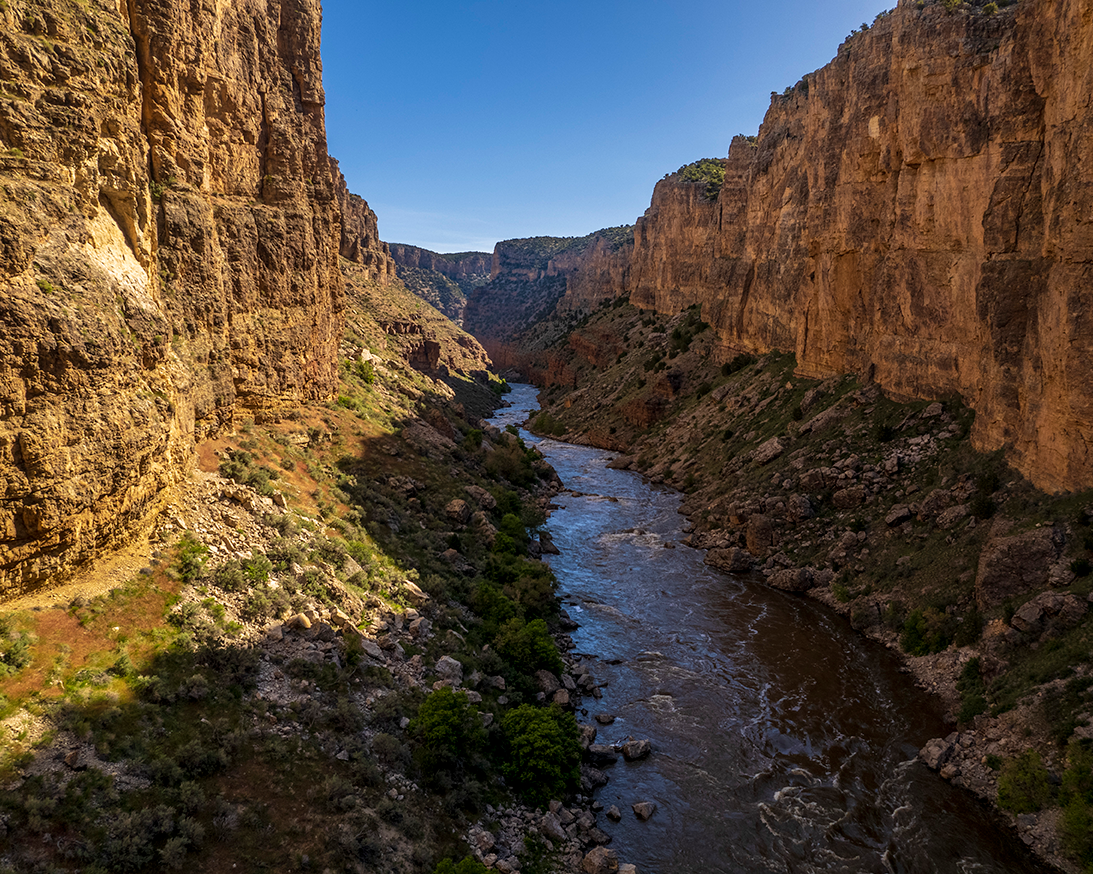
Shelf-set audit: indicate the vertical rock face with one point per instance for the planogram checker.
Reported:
(462, 265)
(360, 239)
(169, 237)
(919, 210)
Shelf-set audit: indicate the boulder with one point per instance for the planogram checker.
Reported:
(592, 777)
(550, 827)
(1049, 614)
(792, 579)
(600, 861)
(1014, 565)
(633, 750)
(628, 869)
(899, 514)
(937, 751)
(760, 535)
(798, 508)
(546, 544)
(602, 754)
(450, 670)
(547, 682)
(413, 593)
(481, 497)
(644, 809)
(954, 515)
(849, 498)
(768, 451)
(734, 560)
(561, 698)
(605, 718)
(935, 503)
(459, 511)
(613, 813)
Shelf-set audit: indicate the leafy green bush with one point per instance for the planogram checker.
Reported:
(1076, 797)
(240, 466)
(449, 732)
(544, 754)
(972, 691)
(528, 647)
(14, 648)
(190, 555)
(926, 631)
(1023, 785)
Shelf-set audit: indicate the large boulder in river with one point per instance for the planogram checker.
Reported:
(633, 750)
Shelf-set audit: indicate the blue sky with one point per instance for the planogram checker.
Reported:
(465, 123)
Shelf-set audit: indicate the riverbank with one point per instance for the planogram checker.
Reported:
(879, 509)
(316, 665)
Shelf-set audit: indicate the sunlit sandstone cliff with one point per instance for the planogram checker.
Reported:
(169, 240)
(919, 210)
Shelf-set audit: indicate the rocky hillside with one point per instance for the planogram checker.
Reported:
(916, 212)
(442, 280)
(535, 278)
(328, 656)
(169, 240)
(884, 511)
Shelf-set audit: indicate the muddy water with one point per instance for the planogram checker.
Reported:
(783, 741)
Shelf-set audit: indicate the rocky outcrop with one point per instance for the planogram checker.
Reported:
(460, 265)
(360, 238)
(169, 238)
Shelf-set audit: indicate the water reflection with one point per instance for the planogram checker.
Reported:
(783, 741)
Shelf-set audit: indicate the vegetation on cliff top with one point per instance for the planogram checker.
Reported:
(710, 171)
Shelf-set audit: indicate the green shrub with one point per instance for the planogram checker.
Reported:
(927, 631)
(528, 647)
(544, 754)
(1076, 797)
(190, 556)
(468, 866)
(449, 732)
(1081, 567)
(1023, 785)
(240, 466)
(972, 692)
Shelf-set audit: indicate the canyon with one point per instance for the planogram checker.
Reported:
(917, 212)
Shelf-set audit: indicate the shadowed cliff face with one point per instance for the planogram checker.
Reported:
(169, 238)
(920, 210)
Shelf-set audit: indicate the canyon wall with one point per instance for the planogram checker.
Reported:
(360, 236)
(920, 211)
(460, 265)
(169, 240)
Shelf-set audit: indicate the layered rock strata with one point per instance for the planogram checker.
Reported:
(169, 240)
(920, 211)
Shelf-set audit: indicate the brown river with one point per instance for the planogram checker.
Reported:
(783, 741)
